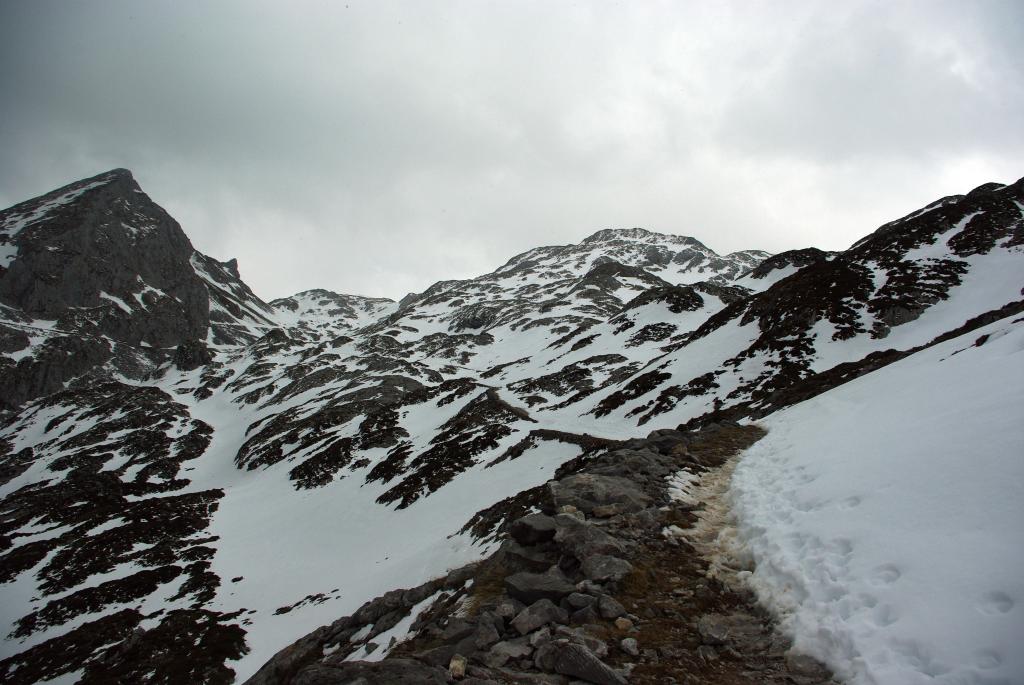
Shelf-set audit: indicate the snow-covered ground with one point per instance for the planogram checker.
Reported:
(885, 517)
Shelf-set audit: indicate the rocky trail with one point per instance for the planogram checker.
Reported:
(609, 580)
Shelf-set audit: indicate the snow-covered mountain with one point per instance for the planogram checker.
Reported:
(192, 478)
(329, 314)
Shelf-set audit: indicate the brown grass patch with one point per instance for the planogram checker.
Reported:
(488, 585)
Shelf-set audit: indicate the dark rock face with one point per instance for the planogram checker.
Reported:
(112, 283)
(474, 317)
(678, 298)
(191, 355)
(390, 671)
(105, 255)
(797, 258)
(56, 361)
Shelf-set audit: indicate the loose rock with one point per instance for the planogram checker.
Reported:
(532, 529)
(623, 623)
(604, 568)
(539, 613)
(530, 587)
(579, 662)
(457, 667)
(609, 608)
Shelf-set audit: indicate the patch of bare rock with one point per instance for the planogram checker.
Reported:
(587, 588)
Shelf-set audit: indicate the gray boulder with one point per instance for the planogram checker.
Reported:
(721, 629)
(576, 661)
(578, 600)
(528, 558)
(532, 529)
(584, 616)
(604, 568)
(581, 539)
(506, 650)
(587, 490)
(538, 614)
(609, 608)
(530, 587)
(508, 609)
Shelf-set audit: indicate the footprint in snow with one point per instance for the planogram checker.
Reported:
(987, 659)
(886, 574)
(841, 546)
(884, 615)
(850, 502)
(995, 603)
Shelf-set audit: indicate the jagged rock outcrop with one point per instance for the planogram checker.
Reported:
(101, 254)
(97, 263)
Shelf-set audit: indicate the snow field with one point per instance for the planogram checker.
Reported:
(884, 517)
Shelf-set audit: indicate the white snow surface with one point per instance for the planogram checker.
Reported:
(885, 517)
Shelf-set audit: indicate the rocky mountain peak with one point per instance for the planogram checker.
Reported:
(86, 252)
(97, 264)
(639, 235)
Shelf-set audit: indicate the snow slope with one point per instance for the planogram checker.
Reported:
(881, 516)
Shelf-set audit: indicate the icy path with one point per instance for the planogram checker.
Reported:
(886, 516)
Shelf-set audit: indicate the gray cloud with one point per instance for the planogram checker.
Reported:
(376, 147)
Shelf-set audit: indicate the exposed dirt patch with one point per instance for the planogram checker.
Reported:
(698, 623)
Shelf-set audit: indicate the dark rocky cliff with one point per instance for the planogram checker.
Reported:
(107, 259)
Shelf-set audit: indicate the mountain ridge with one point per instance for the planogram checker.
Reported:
(242, 447)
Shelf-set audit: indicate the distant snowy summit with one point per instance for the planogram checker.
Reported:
(320, 308)
(676, 259)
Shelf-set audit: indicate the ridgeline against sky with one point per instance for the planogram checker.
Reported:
(411, 142)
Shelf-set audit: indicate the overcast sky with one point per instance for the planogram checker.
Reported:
(376, 147)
